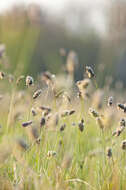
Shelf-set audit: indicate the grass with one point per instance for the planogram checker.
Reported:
(53, 159)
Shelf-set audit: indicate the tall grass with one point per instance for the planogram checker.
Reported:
(64, 143)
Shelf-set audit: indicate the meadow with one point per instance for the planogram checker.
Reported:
(62, 135)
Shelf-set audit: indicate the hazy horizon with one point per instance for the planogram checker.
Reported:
(58, 7)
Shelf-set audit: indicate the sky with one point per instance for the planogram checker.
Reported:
(52, 4)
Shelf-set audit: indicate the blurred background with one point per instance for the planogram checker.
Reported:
(40, 35)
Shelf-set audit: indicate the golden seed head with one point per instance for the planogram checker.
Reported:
(83, 84)
(90, 72)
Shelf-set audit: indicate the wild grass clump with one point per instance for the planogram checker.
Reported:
(55, 134)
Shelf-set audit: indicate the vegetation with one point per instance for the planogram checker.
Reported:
(56, 134)
(62, 116)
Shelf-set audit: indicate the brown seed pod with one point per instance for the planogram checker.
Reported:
(33, 112)
(90, 72)
(44, 108)
(26, 124)
(109, 152)
(62, 127)
(42, 122)
(37, 94)
(71, 112)
(81, 125)
(58, 94)
(67, 113)
(123, 145)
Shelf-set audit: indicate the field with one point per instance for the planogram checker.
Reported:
(58, 134)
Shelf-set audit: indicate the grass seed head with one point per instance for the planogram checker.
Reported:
(62, 127)
(44, 108)
(26, 124)
(122, 122)
(2, 74)
(51, 153)
(81, 125)
(123, 145)
(110, 101)
(121, 107)
(93, 113)
(33, 111)
(67, 113)
(71, 62)
(42, 122)
(48, 78)
(71, 112)
(34, 132)
(29, 81)
(100, 123)
(22, 144)
(118, 131)
(37, 94)
(90, 72)
(20, 78)
(109, 152)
